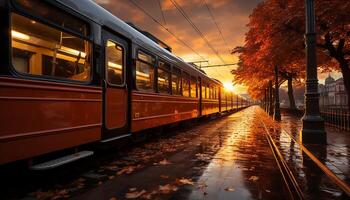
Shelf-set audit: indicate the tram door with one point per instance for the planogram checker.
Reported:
(115, 86)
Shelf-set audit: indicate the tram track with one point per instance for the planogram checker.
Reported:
(288, 177)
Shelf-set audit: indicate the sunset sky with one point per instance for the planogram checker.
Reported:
(230, 15)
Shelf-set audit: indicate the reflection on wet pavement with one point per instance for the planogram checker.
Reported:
(225, 158)
(244, 164)
(230, 159)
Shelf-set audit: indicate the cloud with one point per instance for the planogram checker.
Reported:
(231, 16)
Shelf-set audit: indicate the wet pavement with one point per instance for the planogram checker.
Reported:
(225, 158)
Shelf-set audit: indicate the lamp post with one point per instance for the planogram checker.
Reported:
(313, 125)
(270, 98)
(277, 113)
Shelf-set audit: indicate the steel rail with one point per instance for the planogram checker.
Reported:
(340, 183)
(284, 168)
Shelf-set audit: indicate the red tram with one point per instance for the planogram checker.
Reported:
(71, 73)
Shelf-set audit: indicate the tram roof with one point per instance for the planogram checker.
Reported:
(101, 16)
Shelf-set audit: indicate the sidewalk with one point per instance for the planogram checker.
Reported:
(338, 145)
(335, 156)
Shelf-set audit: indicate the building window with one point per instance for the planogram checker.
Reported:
(41, 50)
(186, 85)
(115, 63)
(193, 86)
(163, 78)
(145, 72)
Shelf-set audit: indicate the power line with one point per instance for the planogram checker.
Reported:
(183, 13)
(165, 28)
(161, 11)
(216, 24)
(225, 65)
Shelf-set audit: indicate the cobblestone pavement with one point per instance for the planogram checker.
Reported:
(226, 158)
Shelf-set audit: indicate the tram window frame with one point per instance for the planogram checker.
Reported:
(16, 9)
(154, 65)
(177, 72)
(123, 63)
(19, 9)
(168, 71)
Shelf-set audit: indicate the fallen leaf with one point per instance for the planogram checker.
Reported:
(185, 181)
(229, 189)
(167, 188)
(164, 162)
(254, 178)
(128, 169)
(149, 195)
(132, 189)
(110, 177)
(268, 191)
(164, 176)
(135, 194)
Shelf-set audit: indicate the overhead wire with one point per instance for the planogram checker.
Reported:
(215, 22)
(188, 19)
(161, 11)
(165, 28)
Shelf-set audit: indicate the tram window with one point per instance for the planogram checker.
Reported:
(207, 92)
(145, 72)
(214, 92)
(176, 81)
(41, 50)
(203, 92)
(186, 85)
(163, 78)
(115, 63)
(21, 60)
(193, 86)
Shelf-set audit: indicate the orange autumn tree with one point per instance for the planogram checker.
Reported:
(264, 49)
(276, 37)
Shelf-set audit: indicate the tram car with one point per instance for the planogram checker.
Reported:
(71, 73)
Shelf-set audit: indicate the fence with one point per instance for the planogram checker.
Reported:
(337, 117)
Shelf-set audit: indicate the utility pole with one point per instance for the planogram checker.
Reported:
(313, 125)
(277, 113)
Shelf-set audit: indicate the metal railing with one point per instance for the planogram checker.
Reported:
(335, 116)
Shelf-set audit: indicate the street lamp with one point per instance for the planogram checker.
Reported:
(270, 111)
(313, 125)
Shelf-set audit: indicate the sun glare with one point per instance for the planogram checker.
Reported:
(229, 87)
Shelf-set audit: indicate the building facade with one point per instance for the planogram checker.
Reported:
(332, 93)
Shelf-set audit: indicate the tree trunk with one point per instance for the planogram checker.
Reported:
(291, 94)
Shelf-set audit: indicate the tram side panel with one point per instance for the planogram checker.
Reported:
(153, 110)
(41, 117)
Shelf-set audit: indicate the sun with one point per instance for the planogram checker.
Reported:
(229, 87)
